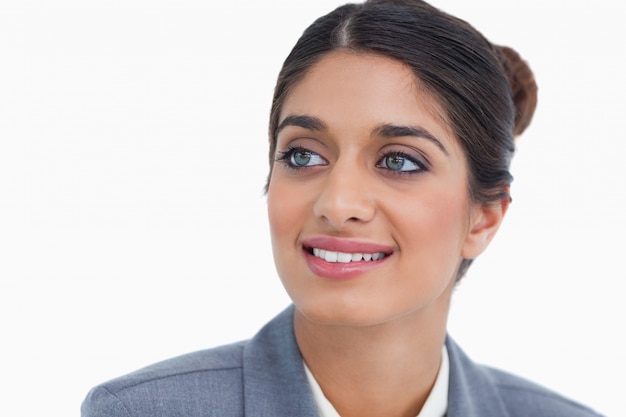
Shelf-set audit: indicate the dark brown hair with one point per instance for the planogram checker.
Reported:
(523, 87)
(476, 83)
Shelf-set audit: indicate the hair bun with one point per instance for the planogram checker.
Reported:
(523, 87)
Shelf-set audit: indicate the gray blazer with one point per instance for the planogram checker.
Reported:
(264, 377)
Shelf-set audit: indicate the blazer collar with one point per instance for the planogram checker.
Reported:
(472, 392)
(275, 382)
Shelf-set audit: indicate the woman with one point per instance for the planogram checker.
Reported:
(391, 133)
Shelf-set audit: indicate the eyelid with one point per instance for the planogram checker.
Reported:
(284, 157)
(411, 153)
(421, 164)
(288, 140)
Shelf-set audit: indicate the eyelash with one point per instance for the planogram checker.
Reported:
(285, 159)
(421, 166)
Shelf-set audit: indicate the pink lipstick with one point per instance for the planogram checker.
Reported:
(334, 258)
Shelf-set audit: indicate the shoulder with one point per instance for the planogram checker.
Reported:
(207, 383)
(483, 391)
(523, 398)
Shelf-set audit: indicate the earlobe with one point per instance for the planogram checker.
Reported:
(486, 221)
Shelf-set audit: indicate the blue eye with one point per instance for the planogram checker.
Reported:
(300, 158)
(401, 163)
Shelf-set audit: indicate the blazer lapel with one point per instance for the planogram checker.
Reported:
(275, 384)
(471, 392)
(274, 380)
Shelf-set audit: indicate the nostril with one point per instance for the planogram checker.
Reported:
(339, 204)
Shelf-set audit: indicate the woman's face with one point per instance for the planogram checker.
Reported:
(368, 203)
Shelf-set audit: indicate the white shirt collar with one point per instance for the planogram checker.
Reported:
(436, 404)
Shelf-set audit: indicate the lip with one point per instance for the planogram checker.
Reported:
(345, 245)
(338, 270)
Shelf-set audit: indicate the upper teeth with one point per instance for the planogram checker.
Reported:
(330, 256)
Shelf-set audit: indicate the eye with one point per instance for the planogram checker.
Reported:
(401, 163)
(300, 158)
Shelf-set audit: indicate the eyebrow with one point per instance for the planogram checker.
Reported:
(386, 130)
(389, 131)
(303, 121)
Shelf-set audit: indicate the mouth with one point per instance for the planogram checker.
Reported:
(345, 257)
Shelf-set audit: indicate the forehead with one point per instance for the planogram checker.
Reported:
(365, 90)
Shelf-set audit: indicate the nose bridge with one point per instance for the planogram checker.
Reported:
(346, 196)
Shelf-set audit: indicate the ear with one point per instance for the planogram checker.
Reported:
(485, 222)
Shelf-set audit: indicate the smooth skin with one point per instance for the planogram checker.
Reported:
(364, 154)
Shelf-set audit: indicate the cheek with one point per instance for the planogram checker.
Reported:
(434, 225)
(286, 212)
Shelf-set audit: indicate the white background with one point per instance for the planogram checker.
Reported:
(132, 162)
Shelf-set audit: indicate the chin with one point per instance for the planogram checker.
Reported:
(349, 314)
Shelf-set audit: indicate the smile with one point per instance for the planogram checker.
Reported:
(342, 257)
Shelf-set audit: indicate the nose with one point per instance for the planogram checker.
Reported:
(345, 197)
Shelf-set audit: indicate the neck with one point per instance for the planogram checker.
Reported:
(385, 369)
